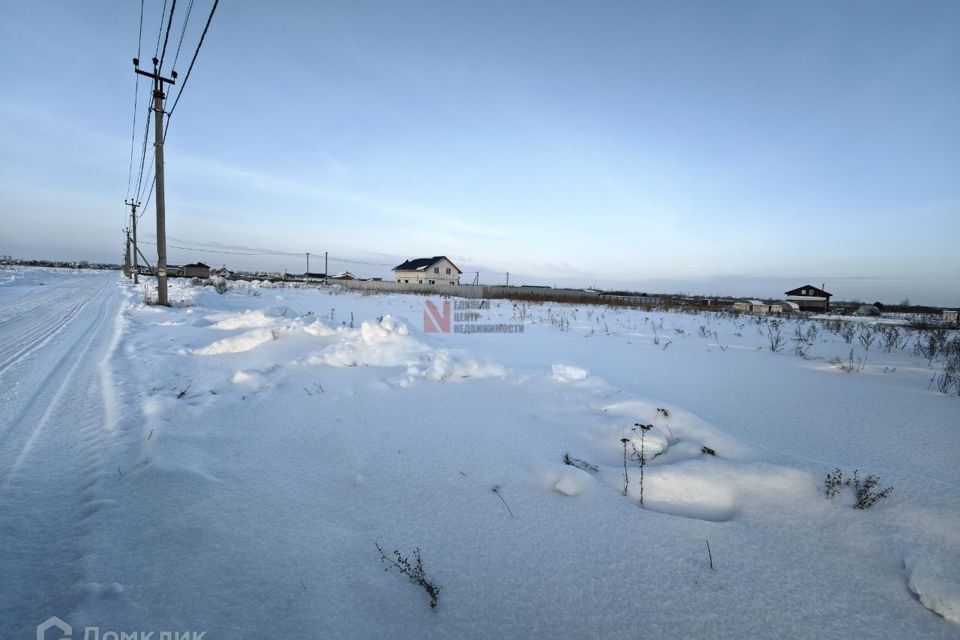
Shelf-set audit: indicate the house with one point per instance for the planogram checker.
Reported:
(223, 272)
(195, 270)
(346, 275)
(950, 316)
(435, 270)
(810, 298)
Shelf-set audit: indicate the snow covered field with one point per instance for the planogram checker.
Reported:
(230, 464)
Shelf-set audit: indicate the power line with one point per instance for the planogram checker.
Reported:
(373, 264)
(166, 38)
(143, 154)
(136, 97)
(183, 32)
(190, 68)
(133, 134)
(146, 202)
(163, 12)
(268, 252)
(140, 36)
(234, 253)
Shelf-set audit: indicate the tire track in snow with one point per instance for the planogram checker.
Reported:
(35, 335)
(51, 460)
(42, 395)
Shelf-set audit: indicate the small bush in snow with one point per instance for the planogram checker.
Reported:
(891, 338)
(929, 344)
(833, 482)
(847, 366)
(847, 331)
(707, 451)
(867, 338)
(865, 489)
(579, 464)
(867, 494)
(948, 382)
(275, 333)
(774, 336)
(220, 286)
(414, 571)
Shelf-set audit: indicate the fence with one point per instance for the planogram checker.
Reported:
(491, 292)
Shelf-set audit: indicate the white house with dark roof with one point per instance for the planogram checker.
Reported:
(435, 270)
(809, 298)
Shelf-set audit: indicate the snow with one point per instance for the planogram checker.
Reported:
(228, 464)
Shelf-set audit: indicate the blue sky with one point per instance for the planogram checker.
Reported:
(735, 148)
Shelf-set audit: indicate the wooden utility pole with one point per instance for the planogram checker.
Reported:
(133, 222)
(158, 82)
(326, 266)
(307, 274)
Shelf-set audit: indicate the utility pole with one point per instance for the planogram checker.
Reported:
(158, 81)
(133, 221)
(508, 278)
(326, 267)
(307, 274)
(126, 255)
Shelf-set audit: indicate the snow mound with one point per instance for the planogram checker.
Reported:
(568, 373)
(933, 584)
(573, 482)
(252, 319)
(319, 329)
(250, 379)
(386, 343)
(682, 492)
(453, 365)
(237, 344)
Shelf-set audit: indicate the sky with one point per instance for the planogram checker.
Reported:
(721, 148)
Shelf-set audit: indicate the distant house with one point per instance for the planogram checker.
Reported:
(950, 316)
(314, 276)
(435, 270)
(195, 270)
(346, 275)
(809, 298)
(223, 272)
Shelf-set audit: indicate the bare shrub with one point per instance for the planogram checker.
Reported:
(847, 331)
(833, 482)
(583, 465)
(892, 338)
(774, 336)
(413, 571)
(865, 489)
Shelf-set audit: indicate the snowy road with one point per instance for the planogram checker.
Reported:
(56, 395)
